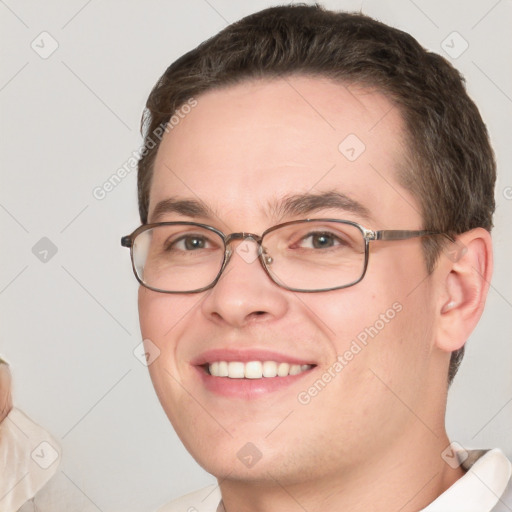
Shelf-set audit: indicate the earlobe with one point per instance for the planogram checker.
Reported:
(464, 289)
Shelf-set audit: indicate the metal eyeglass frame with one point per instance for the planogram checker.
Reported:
(368, 235)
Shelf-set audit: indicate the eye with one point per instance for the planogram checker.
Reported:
(189, 243)
(320, 240)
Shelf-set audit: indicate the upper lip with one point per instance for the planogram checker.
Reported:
(245, 356)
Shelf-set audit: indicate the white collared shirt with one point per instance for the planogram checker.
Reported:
(482, 489)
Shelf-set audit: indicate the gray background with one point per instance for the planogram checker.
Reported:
(69, 322)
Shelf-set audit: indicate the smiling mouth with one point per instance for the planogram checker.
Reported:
(254, 369)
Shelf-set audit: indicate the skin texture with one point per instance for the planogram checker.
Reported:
(372, 438)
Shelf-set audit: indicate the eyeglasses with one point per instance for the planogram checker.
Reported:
(311, 255)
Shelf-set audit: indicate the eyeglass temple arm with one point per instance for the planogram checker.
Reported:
(126, 241)
(400, 234)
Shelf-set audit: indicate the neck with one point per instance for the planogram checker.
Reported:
(408, 476)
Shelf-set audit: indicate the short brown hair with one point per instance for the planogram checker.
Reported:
(451, 169)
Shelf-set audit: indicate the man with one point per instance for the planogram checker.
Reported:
(316, 197)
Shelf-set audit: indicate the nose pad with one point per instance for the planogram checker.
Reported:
(266, 256)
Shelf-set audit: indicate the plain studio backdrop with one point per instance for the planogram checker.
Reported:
(74, 79)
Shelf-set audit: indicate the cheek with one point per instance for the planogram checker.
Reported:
(382, 323)
(390, 335)
(344, 315)
(162, 317)
(150, 310)
(161, 314)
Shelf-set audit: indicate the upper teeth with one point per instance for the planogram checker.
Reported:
(255, 369)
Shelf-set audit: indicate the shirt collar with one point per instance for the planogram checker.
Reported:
(480, 488)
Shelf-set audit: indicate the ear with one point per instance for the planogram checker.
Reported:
(465, 270)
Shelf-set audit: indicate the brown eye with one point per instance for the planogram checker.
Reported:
(189, 243)
(320, 240)
(192, 243)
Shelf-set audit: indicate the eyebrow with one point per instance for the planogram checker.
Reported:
(187, 207)
(290, 206)
(305, 204)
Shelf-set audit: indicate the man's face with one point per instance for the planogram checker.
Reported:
(243, 151)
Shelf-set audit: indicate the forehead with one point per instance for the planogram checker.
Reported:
(243, 148)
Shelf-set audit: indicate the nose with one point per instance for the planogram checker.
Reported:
(244, 293)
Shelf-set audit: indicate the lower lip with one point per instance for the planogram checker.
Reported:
(247, 388)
